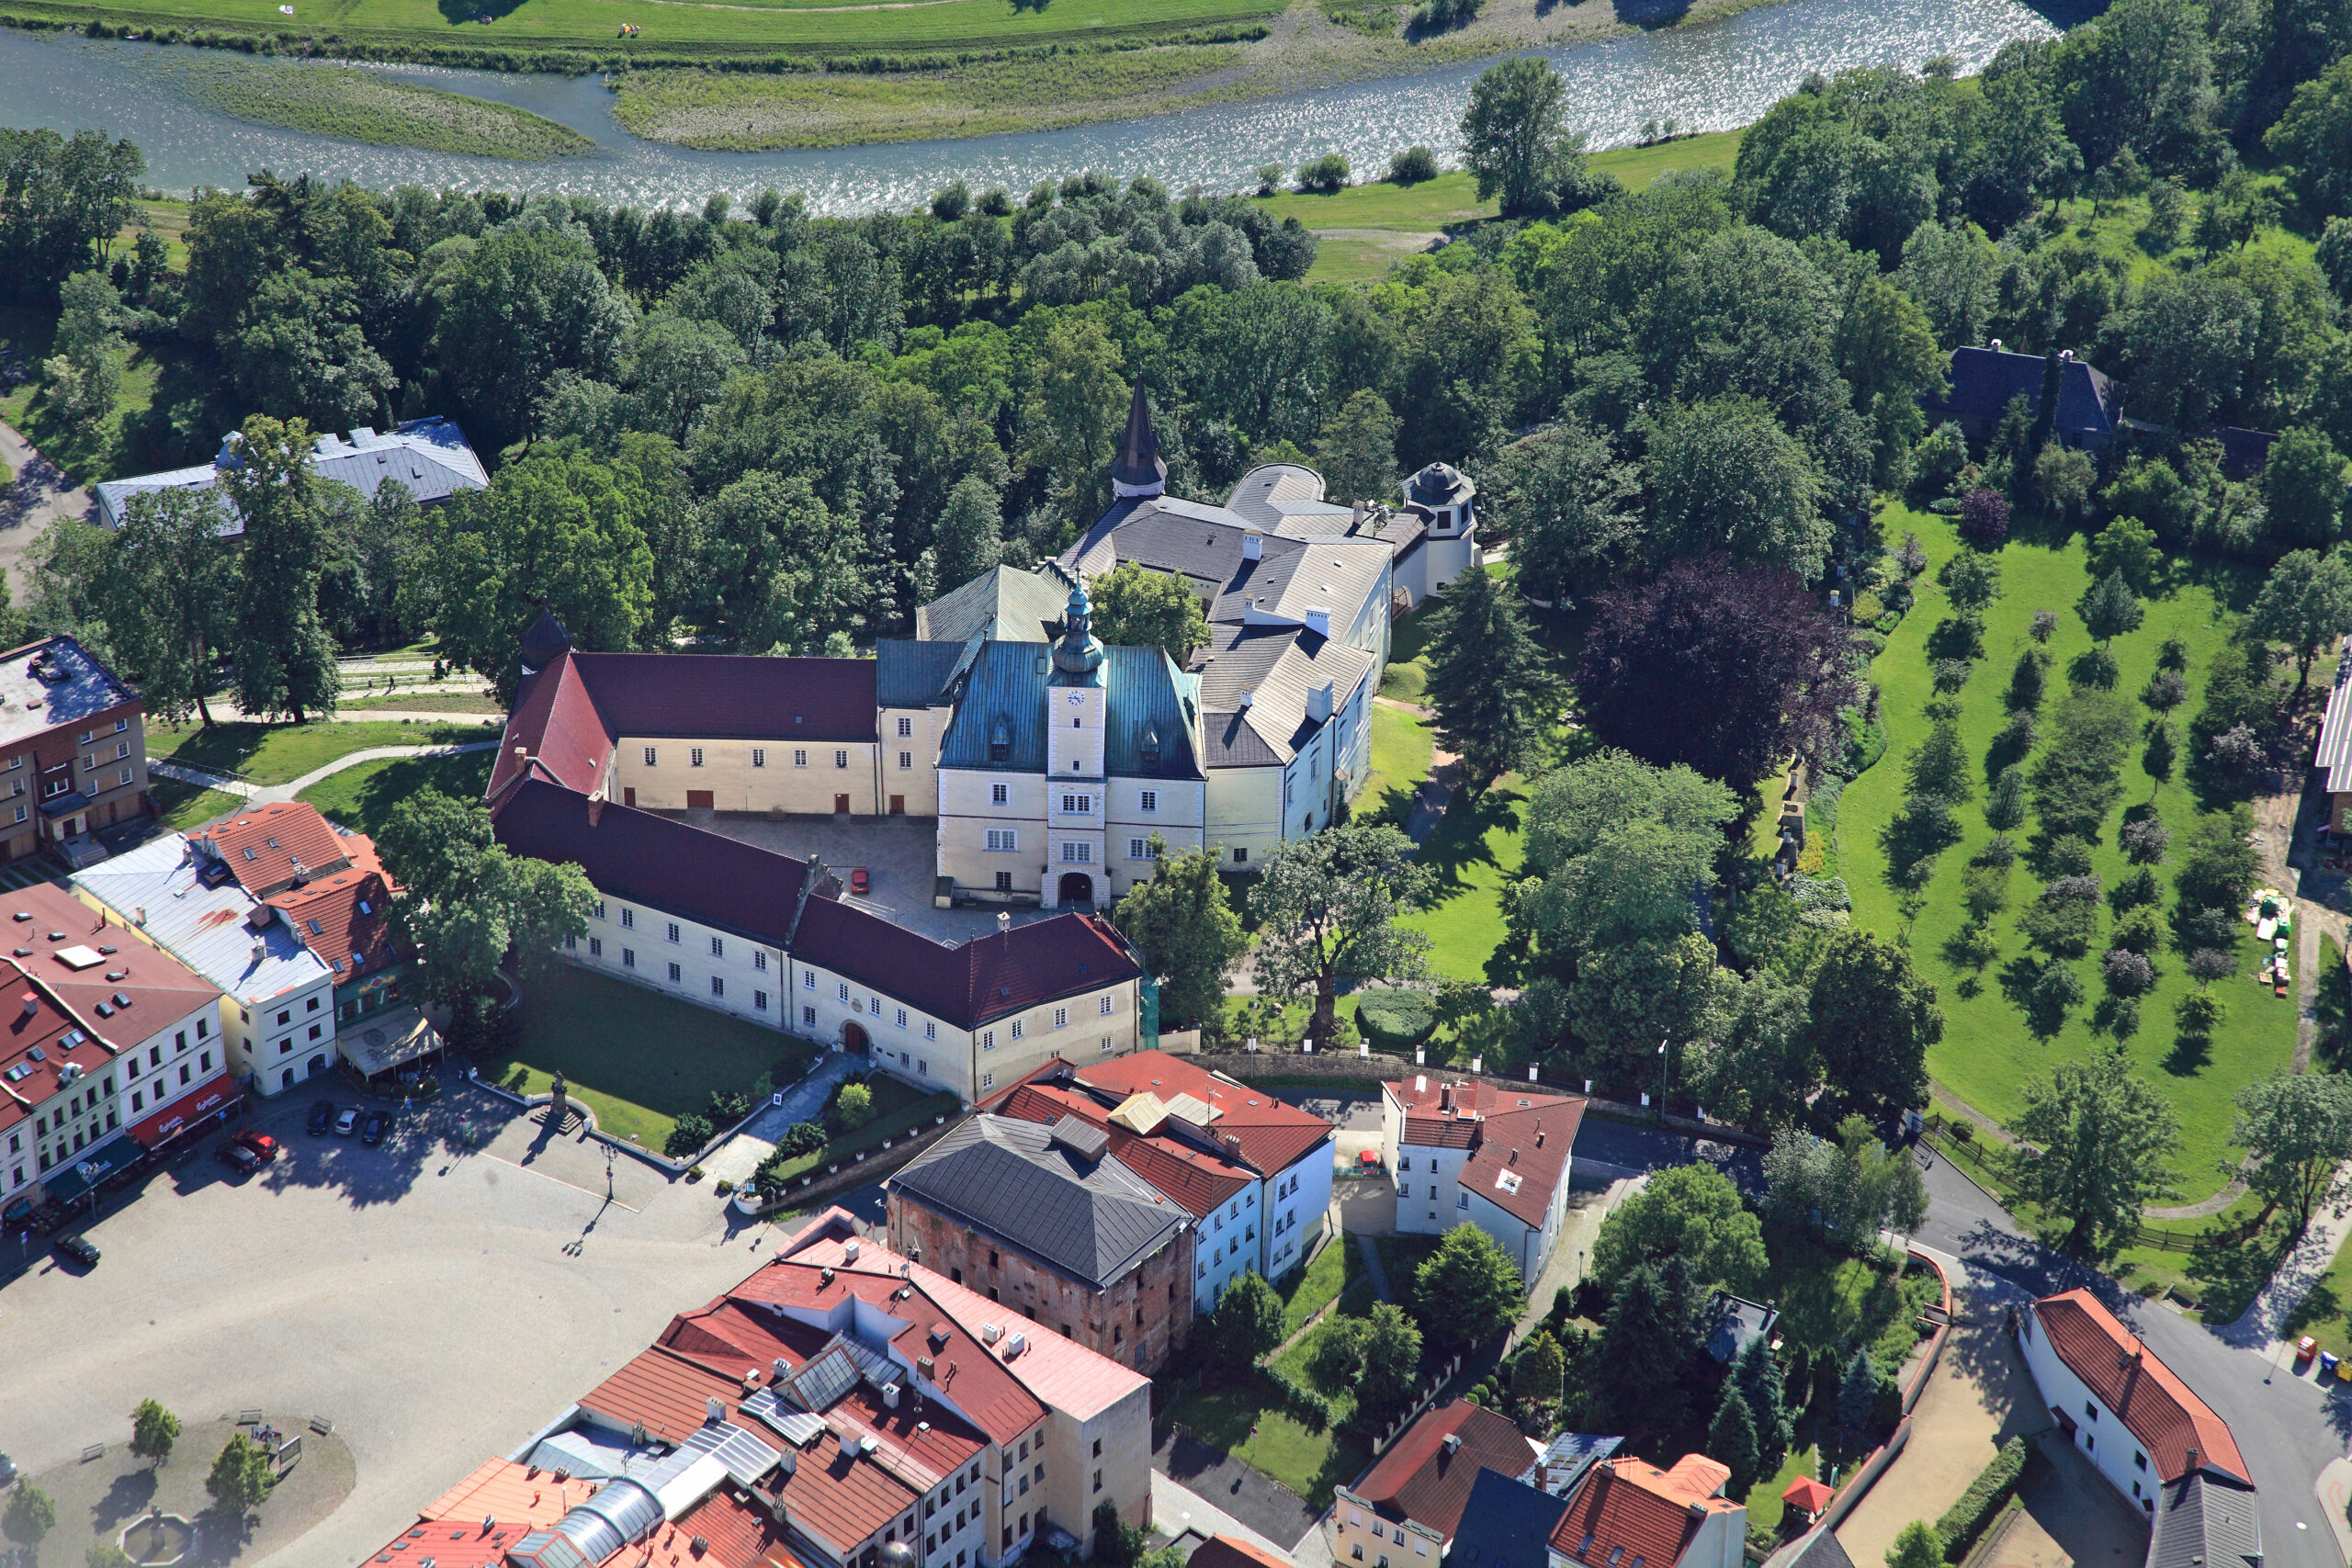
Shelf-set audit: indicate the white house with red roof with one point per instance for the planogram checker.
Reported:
(1468, 1150)
(2138, 1422)
(1628, 1513)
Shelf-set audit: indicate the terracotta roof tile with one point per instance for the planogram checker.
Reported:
(557, 728)
(2144, 1393)
(514, 1493)
(842, 1500)
(1197, 1180)
(1630, 1514)
(740, 1533)
(346, 919)
(267, 847)
(1423, 1480)
(1273, 1136)
(1232, 1552)
(451, 1544)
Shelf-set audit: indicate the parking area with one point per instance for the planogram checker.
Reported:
(900, 854)
(437, 1297)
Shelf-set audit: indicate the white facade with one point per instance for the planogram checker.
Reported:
(1225, 1246)
(716, 969)
(174, 1062)
(1298, 1199)
(1007, 834)
(287, 1038)
(2097, 1432)
(1432, 1197)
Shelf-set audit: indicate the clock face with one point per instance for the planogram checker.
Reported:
(1075, 699)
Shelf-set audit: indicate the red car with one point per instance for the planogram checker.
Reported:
(264, 1147)
(858, 883)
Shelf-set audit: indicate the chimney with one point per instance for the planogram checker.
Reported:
(1319, 619)
(1318, 701)
(1005, 924)
(714, 1409)
(1232, 1144)
(142, 915)
(1454, 1442)
(1996, 345)
(1445, 1096)
(32, 1004)
(2192, 1458)
(782, 1369)
(890, 1396)
(261, 950)
(595, 809)
(1514, 1158)
(1253, 545)
(1248, 697)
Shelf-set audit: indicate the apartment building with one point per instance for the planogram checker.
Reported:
(73, 750)
(1495, 1156)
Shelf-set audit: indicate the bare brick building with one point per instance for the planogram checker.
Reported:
(1046, 1220)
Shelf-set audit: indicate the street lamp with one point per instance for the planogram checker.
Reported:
(1661, 1083)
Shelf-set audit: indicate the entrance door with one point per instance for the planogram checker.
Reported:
(853, 1039)
(629, 795)
(898, 805)
(841, 805)
(1077, 887)
(699, 797)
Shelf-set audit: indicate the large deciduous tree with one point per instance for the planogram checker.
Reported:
(1138, 607)
(1327, 905)
(1490, 681)
(2099, 1140)
(1515, 136)
(169, 594)
(286, 657)
(1726, 669)
(1726, 477)
(519, 305)
(1248, 1321)
(1467, 1289)
(2297, 1128)
(1569, 507)
(1874, 1019)
(1691, 1212)
(1187, 929)
(2306, 604)
(466, 902)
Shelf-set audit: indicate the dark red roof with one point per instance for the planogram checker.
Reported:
(738, 1533)
(638, 857)
(842, 1503)
(2145, 1395)
(1272, 1135)
(731, 697)
(1232, 1552)
(1628, 1511)
(556, 725)
(987, 977)
(1422, 1480)
(671, 1395)
(1522, 1136)
(346, 919)
(267, 847)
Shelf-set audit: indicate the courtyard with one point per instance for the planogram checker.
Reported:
(436, 1298)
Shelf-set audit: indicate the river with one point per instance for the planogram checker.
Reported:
(1712, 76)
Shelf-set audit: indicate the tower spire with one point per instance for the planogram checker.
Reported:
(1140, 470)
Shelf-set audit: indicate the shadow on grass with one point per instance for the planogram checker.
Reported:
(362, 798)
(2189, 1056)
(2232, 1269)
(1652, 13)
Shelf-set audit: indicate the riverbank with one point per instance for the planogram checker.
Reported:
(1313, 44)
(365, 106)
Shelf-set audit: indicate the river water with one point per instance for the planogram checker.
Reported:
(1713, 77)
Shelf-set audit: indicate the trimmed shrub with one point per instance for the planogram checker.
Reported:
(692, 1132)
(1985, 1497)
(1395, 1018)
(1412, 165)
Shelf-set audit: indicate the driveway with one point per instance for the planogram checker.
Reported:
(2072, 1516)
(38, 498)
(438, 1298)
(740, 1155)
(1264, 1505)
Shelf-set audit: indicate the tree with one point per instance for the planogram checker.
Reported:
(1646, 1343)
(243, 1476)
(1858, 1392)
(167, 596)
(1535, 1375)
(153, 1430)
(2305, 602)
(1983, 519)
(1489, 683)
(1569, 507)
(2302, 479)
(520, 304)
(31, 1514)
(2297, 1128)
(854, 1106)
(106, 1554)
(1391, 1358)
(2315, 136)
(1467, 1289)
(1185, 926)
(286, 660)
(1138, 607)
(1919, 1546)
(1248, 1321)
(1075, 396)
(1327, 905)
(2129, 547)
(1515, 136)
(1731, 1440)
(1691, 1212)
(2098, 1139)
(1356, 453)
(65, 202)
(790, 573)
(969, 533)
(1726, 669)
(1726, 477)
(1874, 1019)
(465, 901)
(1757, 1374)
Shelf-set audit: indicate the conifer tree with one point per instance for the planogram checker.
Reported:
(1490, 682)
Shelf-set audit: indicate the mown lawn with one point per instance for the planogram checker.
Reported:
(1988, 1053)
(637, 1058)
(1338, 1271)
(1239, 1418)
(1401, 748)
(186, 805)
(280, 753)
(899, 1106)
(363, 797)
(1476, 851)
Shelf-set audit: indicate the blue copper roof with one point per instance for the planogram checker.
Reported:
(1004, 701)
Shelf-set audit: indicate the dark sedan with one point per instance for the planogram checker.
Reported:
(373, 1133)
(78, 1249)
(322, 1117)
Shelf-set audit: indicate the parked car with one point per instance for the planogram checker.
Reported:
(238, 1158)
(322, 1116)
(859, 882)
(373, 1133)
(264, 1147)
(8, 1471)
(348, 1122)
(79, 1249)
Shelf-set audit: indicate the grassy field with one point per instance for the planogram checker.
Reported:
(1988, 1053)
(280, 753)
(1235, 1418)
(185, 805)
(425, 698)
(1333, 1273)
(362, 106)
(638, 1059)
(363, 797)
(1401, 748)
(1476, 853)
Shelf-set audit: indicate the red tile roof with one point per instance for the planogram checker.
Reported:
(985, 978)
(560, 735)
(2126, 1377)
(833, 1495)
(1273, 1136)
(267, 847)
(740, 1533)
(921, 1448)
(514, 1493)
(347, 918)
(1807, 1494)
(1198, 1180)
(32, 1019)
(1628, 1513)
(670, 1394)
(1525, 1135)
(1422, 1480)
(1232, 1552)
(731, 1338)
(162, 989)
(452, 1544)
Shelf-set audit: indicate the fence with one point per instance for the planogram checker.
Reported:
(1427, 1397)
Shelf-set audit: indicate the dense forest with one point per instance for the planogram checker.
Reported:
(766, 430)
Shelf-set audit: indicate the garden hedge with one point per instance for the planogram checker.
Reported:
(1985, 1497)
(1396, 1018)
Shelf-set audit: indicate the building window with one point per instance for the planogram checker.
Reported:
(759, 756)
(1004, 882)
(1003, 839)
(987, 1039)
(600, 908)
(628, 918)
(906, 759)
(596, 947)
(2090, 1410)
(717, 986)
(988, 1080)
(902, 1018)
(1098, 1474)
(906, 727)
(1018, 1028)
(629, 958)
(649, 756)
(123, 777)
(675, 975)
(1240, 857)
(673, 931)
(717, 948)
(1139, 848)
(1462, 1200)
(930, 1029)
(840, 989)
(807, 1017)
(1000, 795)
(1078, 804)
(840, 759)
(1148, 800)
(1106, 1007)
(799, 757)
(694, 756)
(759, 1001)
(1078, 853)
(808, 979)
(1062, 1018)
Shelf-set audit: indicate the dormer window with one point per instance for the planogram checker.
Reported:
(1000, 740)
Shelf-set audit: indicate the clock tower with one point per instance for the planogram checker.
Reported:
(1076, 704)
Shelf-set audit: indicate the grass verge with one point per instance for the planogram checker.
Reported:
(280, 753)
(184, 806)
(363, 797)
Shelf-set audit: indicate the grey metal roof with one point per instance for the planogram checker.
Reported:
(2335, 753)
(1277, 668)
(1000, 604)
(1094, 1219)
(1817, 1548)
(1984, 380)
(1005, 697)
(2202, 1521)
(911, 674)
(1081, 1137)
(71, 685)
(1737, 1324)
(1288, 496)
(431, 457)
(204, 928)
(1505, 1524)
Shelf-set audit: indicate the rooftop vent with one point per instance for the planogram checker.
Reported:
(1014, 1345)
(890, 1396)
(714, 1409)
(1454, 1442)
(990, 1333)
(849, 1251)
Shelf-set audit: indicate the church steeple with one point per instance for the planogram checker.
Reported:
(1140, 470)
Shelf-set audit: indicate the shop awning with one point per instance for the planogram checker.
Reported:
(94, 1164)
(384, 1041)
(186, 1111)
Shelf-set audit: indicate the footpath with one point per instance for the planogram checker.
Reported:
(268, 795)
